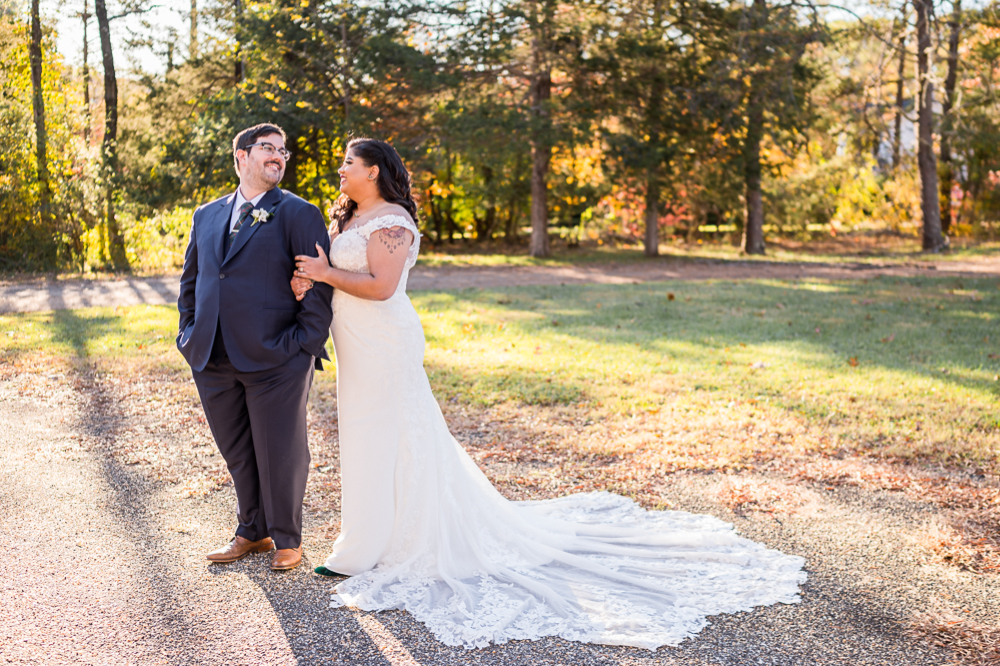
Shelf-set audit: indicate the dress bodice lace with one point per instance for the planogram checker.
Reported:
(349, 250)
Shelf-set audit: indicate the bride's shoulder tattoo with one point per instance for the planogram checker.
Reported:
(393, 238)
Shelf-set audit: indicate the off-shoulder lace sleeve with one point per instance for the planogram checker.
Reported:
(390, 221)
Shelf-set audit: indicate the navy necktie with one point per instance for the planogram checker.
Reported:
(244, 214)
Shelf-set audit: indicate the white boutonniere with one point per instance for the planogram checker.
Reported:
(261, 215)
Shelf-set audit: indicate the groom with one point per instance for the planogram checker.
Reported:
(251, 346)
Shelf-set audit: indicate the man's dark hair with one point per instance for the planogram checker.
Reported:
(251, 134)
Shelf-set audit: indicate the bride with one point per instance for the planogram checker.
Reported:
(425, 531)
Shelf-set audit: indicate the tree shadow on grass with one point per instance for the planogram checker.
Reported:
(523, 386)
(314, 637)
(913, 326)
(129, 492)
(70, 336)
(907, 352)
(77, 332)
(162, 603)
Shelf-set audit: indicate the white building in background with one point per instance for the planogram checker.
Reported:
(907, 136)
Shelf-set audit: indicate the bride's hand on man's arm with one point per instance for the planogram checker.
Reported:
(308, 270)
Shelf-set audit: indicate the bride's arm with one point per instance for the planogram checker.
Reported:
(387, 249)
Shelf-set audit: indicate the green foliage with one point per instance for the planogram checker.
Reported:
(642, 77)
(650, 101)
(19, 229)
(815, 195)
(27, 242)
(76, 239)
(977, 135)
(474, 172)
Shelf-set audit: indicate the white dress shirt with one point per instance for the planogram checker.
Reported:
(240, 200)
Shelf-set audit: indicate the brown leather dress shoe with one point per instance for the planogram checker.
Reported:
(239, 548)
(286, 558)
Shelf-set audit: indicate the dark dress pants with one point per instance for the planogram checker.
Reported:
(258, 420)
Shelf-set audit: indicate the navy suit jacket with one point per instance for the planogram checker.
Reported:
(246, 290)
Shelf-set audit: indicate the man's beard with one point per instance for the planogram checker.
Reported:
(269, 178)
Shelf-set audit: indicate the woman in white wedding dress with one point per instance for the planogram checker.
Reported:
(424, 530)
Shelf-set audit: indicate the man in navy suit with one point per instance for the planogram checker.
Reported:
(252, 347)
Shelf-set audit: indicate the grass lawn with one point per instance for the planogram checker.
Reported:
(738, 371)
(683, 375)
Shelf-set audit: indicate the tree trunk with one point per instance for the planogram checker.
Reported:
(540, 154)
(485, 225)
(753, 225)
(290, 181)
(86, 74)
(438, 221)
(193, 39)
(654, 144)
(541, 147)
(110, 145)
(345, 75)
(900, 97)
(38, 105)
(930, 204)
(947, 119)
(652, 240)
(449, 208)
(449, 221)
(510, 229)
(241, 66)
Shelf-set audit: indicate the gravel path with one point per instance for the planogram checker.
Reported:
(43, 295)
(104, 565)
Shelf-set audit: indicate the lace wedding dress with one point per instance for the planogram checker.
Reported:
(425, 531)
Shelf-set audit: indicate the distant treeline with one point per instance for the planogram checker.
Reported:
(640, 119)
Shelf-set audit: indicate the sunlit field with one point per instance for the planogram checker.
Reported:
(894, 367)
(686, 375)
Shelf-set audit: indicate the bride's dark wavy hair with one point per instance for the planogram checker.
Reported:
(393, 180)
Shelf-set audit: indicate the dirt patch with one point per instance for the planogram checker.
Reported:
(744, 495)
(667, 269)
(37, 295)
(966, 531)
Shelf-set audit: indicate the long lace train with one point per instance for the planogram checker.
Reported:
(628, 577)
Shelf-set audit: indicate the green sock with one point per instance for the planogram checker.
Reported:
(323, 571)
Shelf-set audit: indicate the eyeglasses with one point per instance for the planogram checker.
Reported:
(270, 150)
